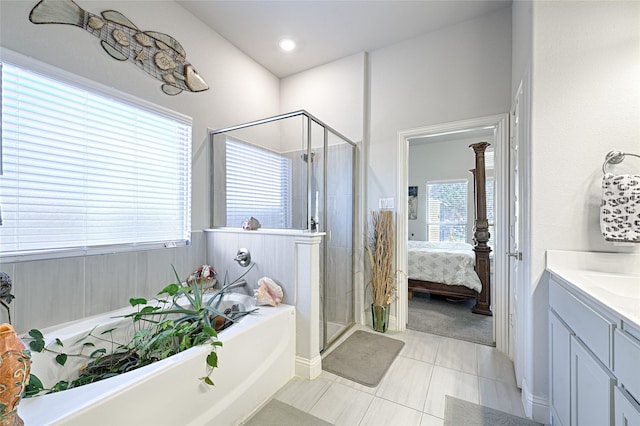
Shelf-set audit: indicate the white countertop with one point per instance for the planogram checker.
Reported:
(610, 280)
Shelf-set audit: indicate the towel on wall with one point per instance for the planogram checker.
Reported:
(620, 208)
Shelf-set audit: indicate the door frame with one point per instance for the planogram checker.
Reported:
(500, 288)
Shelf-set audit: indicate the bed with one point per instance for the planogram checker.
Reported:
(457, 270)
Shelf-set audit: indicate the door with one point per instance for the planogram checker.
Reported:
(516, 273)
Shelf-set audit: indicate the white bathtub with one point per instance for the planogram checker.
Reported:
(256, 359)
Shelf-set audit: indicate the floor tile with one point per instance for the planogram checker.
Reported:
(458, 355)
(406, 382)
(303, 394)
(421, 346)
(445, 381)
(342, 405)
(500, 396)
(429, 420)
(384, 413)
(495, 365)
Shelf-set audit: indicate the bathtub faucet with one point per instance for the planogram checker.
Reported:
(243, 257)
(244, 285)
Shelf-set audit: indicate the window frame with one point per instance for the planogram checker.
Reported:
(65, 77)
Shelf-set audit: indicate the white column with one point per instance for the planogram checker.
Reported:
(307, 275)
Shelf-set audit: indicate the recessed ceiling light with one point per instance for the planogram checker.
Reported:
(287, 44)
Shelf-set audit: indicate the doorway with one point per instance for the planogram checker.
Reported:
(497, 126)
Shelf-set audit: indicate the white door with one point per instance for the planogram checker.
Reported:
(516, 276)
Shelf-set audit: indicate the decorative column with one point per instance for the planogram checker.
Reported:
(481, 232)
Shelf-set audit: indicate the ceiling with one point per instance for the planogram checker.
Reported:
(325, 31)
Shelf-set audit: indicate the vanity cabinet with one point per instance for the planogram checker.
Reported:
(582, 383)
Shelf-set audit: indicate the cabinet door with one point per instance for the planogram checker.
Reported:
(559, 371)
(591, 388)
(627, 410)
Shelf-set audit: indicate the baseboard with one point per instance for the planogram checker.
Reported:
(535, 407)
(308, 368)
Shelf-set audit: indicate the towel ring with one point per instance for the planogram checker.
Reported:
(615, 157)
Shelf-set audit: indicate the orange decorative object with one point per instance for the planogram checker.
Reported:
(15, 364)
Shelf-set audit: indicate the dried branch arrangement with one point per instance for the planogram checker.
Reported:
(381, 252)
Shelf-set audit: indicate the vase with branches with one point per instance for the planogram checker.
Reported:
(383, 276)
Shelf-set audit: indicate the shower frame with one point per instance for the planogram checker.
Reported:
(310, 227)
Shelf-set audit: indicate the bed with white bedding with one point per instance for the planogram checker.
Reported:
(444, 268)
(443, 262)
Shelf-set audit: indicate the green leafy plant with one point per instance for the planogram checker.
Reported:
(186, 314)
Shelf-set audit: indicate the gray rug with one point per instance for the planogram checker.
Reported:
(458, 412)
(436, 315)
(363, 358)
(277, 413)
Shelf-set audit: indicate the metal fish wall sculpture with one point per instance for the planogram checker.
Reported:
(157, 54)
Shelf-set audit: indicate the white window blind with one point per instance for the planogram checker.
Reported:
(83, 170)
(258, 185)
(447, 211)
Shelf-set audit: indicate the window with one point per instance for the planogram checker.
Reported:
(258, 185)
(83, 170)
(447, 211)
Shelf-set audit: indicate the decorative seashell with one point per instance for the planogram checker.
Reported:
(251, 224)
(144, 40)
(120, 37)
(95, 23)
(269, 293)
(164, 61)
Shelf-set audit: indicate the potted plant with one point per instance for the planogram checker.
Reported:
(383, 277)
(186, 314)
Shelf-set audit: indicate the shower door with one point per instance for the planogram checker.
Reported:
(337, 248)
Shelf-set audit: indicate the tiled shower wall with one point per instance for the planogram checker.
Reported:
(49, 292)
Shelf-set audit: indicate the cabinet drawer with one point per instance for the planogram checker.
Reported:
(627, 410)
(626, 350)
(590, 326)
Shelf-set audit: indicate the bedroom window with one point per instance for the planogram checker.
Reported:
(258, 184)
(88, 170)
(447, 211)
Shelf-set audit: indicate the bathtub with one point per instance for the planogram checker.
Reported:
(256, 359)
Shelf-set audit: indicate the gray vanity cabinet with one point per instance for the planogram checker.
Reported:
(580, 348)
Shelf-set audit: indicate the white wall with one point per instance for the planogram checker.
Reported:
(49, 292)
(460, 72)
(585, 102)
(334, 93)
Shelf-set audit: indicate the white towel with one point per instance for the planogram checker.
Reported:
(620, 208)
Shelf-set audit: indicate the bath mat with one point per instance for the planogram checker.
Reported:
(363, 358)
(436, 315)
(458, 412)
(277, 413)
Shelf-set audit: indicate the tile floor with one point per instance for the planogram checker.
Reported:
(413, 390)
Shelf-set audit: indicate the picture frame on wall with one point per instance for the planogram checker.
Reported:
(413, 202)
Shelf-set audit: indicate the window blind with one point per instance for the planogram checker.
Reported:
(82, 169)
(258, 185)
(447, 211)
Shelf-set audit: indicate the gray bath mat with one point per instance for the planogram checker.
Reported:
(364, 357)
(436, 315)
(458, 412)
(277, 413)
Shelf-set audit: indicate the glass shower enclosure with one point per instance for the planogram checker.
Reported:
(293, 171)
